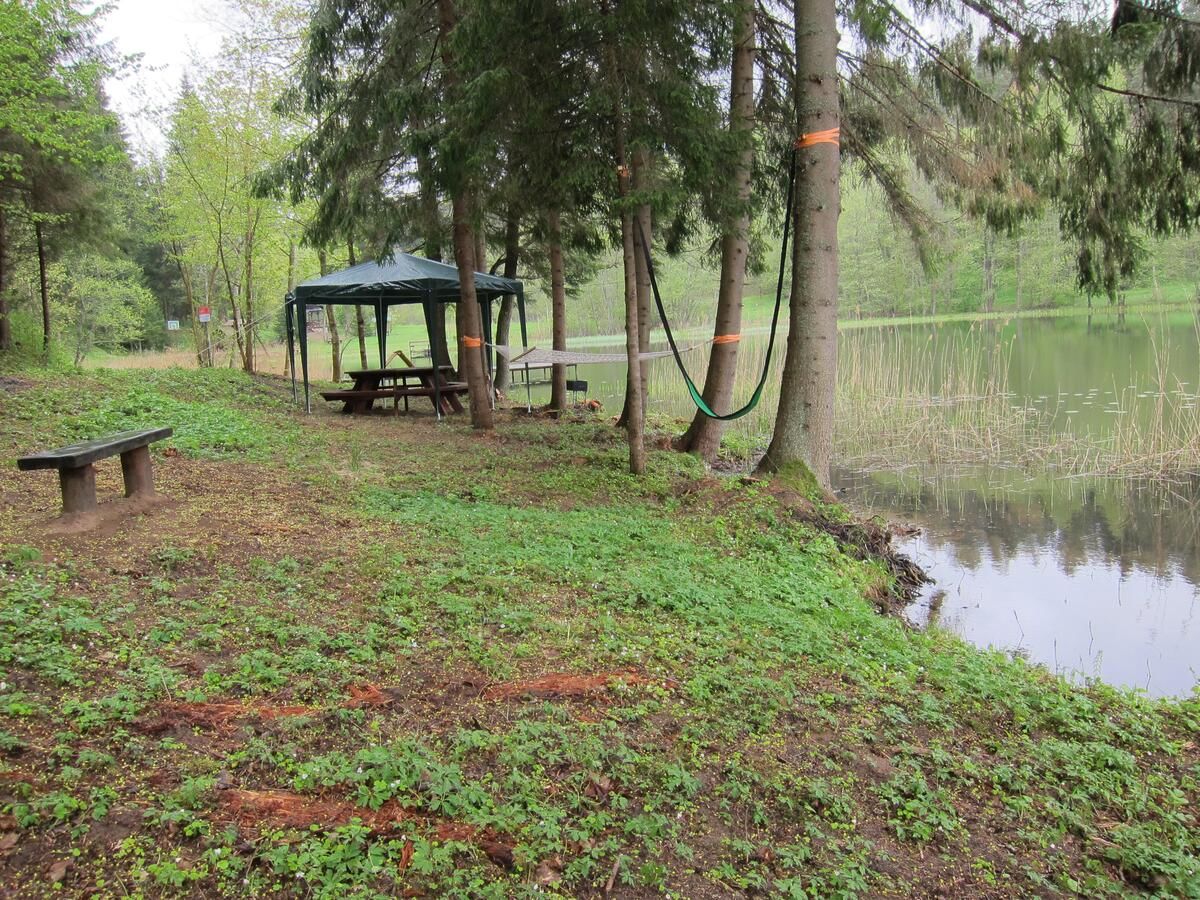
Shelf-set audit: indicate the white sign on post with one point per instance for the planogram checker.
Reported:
(172, 324)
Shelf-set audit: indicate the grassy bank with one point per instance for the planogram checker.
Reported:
(384, 657)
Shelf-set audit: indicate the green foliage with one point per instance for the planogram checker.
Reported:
(202, 409)
(776, 734)
(100, 302)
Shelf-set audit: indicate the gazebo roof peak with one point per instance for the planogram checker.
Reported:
(400, 278)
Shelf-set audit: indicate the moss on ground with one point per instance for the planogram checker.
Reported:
(365, 657)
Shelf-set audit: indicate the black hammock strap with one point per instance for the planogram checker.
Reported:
(697, 396)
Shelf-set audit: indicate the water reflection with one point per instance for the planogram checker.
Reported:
(1092, 578)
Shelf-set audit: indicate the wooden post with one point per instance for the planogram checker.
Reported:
(78, 489)
(138, 472)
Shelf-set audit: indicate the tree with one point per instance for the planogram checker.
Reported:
(804, 425)
(222, 133)
(54, 129)
(100, 302)
(459, 176)
(703, 436)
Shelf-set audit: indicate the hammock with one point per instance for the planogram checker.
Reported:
(536, 356)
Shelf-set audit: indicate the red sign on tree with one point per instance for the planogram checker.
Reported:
(204, 314)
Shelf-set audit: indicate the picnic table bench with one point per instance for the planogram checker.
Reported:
(369, 386)
(77, 474)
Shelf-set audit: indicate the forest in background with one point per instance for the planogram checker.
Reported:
(140, 236)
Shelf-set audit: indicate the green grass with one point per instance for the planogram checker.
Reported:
(781, 736)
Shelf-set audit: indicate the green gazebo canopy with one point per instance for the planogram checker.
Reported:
(401, 279)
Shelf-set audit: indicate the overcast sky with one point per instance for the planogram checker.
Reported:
(168, 34)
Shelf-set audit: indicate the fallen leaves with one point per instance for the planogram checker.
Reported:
(250, 809)
(222, 714)
(556, 686)
(58, 871)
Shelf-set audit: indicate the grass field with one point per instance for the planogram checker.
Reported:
(380, 657)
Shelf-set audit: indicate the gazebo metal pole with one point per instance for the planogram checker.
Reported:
(291, 339)
(433, 315)
(381, 330)
(302, 316)
(524, 345)
(488, 350)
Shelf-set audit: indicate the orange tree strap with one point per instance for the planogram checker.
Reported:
(727, 338)
(829, 136)
(472, 343)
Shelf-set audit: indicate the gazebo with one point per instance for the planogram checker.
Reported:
(401, 279)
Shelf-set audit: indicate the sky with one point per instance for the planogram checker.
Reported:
(169, 35)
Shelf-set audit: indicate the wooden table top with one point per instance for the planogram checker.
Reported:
(398, 372)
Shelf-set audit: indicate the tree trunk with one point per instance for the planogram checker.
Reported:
(335, 340)
(803, 437)
(644, 299)
(43, 285)
(512, 249)
(635, 422)
(1019, 273)
(248, 290)
(6, 340)
(360, 325)
(467, 318)
(291, 287)
(189, 293)
(703, 436)
(558, 307)
(432, 226)
(989, 271)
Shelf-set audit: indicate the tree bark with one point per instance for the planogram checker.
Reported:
(335, 340)
(248, 290)
(291, 287)
(989, 271)
(558, 307)
(641, 163)
(703, 436)
(43, 285)
(512, 249)
(189, 293)
(432, 226)
(470, 328)
(635, 422)
(6, 340)
(360, 325)
(467, 318)
(1019, 273)
(803, 436)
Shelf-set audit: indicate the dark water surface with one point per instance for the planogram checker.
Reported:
(1092, 579)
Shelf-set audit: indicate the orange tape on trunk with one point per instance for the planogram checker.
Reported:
(829, 136)
(472, 343)
(727, 339)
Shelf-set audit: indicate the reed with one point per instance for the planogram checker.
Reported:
(950, 403)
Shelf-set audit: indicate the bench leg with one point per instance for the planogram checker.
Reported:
(78, 489)
(138, 472)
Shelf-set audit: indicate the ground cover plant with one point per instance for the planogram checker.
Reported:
(378, 657)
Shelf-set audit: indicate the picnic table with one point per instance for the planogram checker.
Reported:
(400, 384)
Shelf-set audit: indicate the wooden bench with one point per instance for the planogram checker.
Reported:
(77, 474)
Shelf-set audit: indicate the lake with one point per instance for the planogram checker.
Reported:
(1051, 464)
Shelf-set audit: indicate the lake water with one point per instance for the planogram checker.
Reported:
(1092, 575)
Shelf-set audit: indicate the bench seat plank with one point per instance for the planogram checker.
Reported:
(404, 391)
(87, 452)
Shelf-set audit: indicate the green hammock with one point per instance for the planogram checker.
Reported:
(697, 397)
